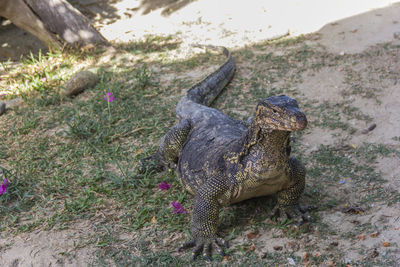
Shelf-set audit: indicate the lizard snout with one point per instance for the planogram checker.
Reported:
(301, 122)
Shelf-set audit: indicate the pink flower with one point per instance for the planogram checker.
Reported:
(43, 79)
(109, 97)
(178, 207)
(164, 186)
(3, 187)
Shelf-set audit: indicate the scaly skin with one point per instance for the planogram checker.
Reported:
(222, 160)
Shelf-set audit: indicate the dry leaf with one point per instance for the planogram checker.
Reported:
(226, 258)
(278, 247)
(353, 210)
(252, 235)
(361, 237)
(317, 254)
(373, 254)
(154, 220)
(305, 257)
(374, 234)
(252, 247)
(385, 244)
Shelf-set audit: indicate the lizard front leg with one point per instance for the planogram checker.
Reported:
(205, 219)
(288, 199)
(169, 150)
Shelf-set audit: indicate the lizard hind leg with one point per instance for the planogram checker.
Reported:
(169, 150)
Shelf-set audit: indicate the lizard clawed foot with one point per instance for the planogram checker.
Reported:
(150, 163)
(204, 245)
(295, 212)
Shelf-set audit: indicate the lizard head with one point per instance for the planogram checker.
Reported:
(280, 113)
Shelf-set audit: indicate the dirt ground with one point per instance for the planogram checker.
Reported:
(341, 35)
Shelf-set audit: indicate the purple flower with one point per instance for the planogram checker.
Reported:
(178, 207)
(3, 187)
(164, 186)
(109, 97)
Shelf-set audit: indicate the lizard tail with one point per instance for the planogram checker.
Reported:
(209, 88)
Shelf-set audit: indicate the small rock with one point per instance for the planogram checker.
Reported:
(2, 108)
(13, 102)
(291, 261)
(79, 82)
(370, 128)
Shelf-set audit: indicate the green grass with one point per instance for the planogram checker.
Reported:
(73, 159)
(42, 73)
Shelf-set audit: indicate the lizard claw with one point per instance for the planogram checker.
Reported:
(205, 245)
(295, 212)
(150, 163)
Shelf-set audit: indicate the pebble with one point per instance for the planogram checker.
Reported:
(291, 261)
(79, 82)
(13, 102)
(369, 129)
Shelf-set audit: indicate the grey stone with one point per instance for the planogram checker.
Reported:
(79, 82)
(2, 108)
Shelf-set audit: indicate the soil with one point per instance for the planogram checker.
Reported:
(348, 33)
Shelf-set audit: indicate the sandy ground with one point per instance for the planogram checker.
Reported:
(343, 27)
